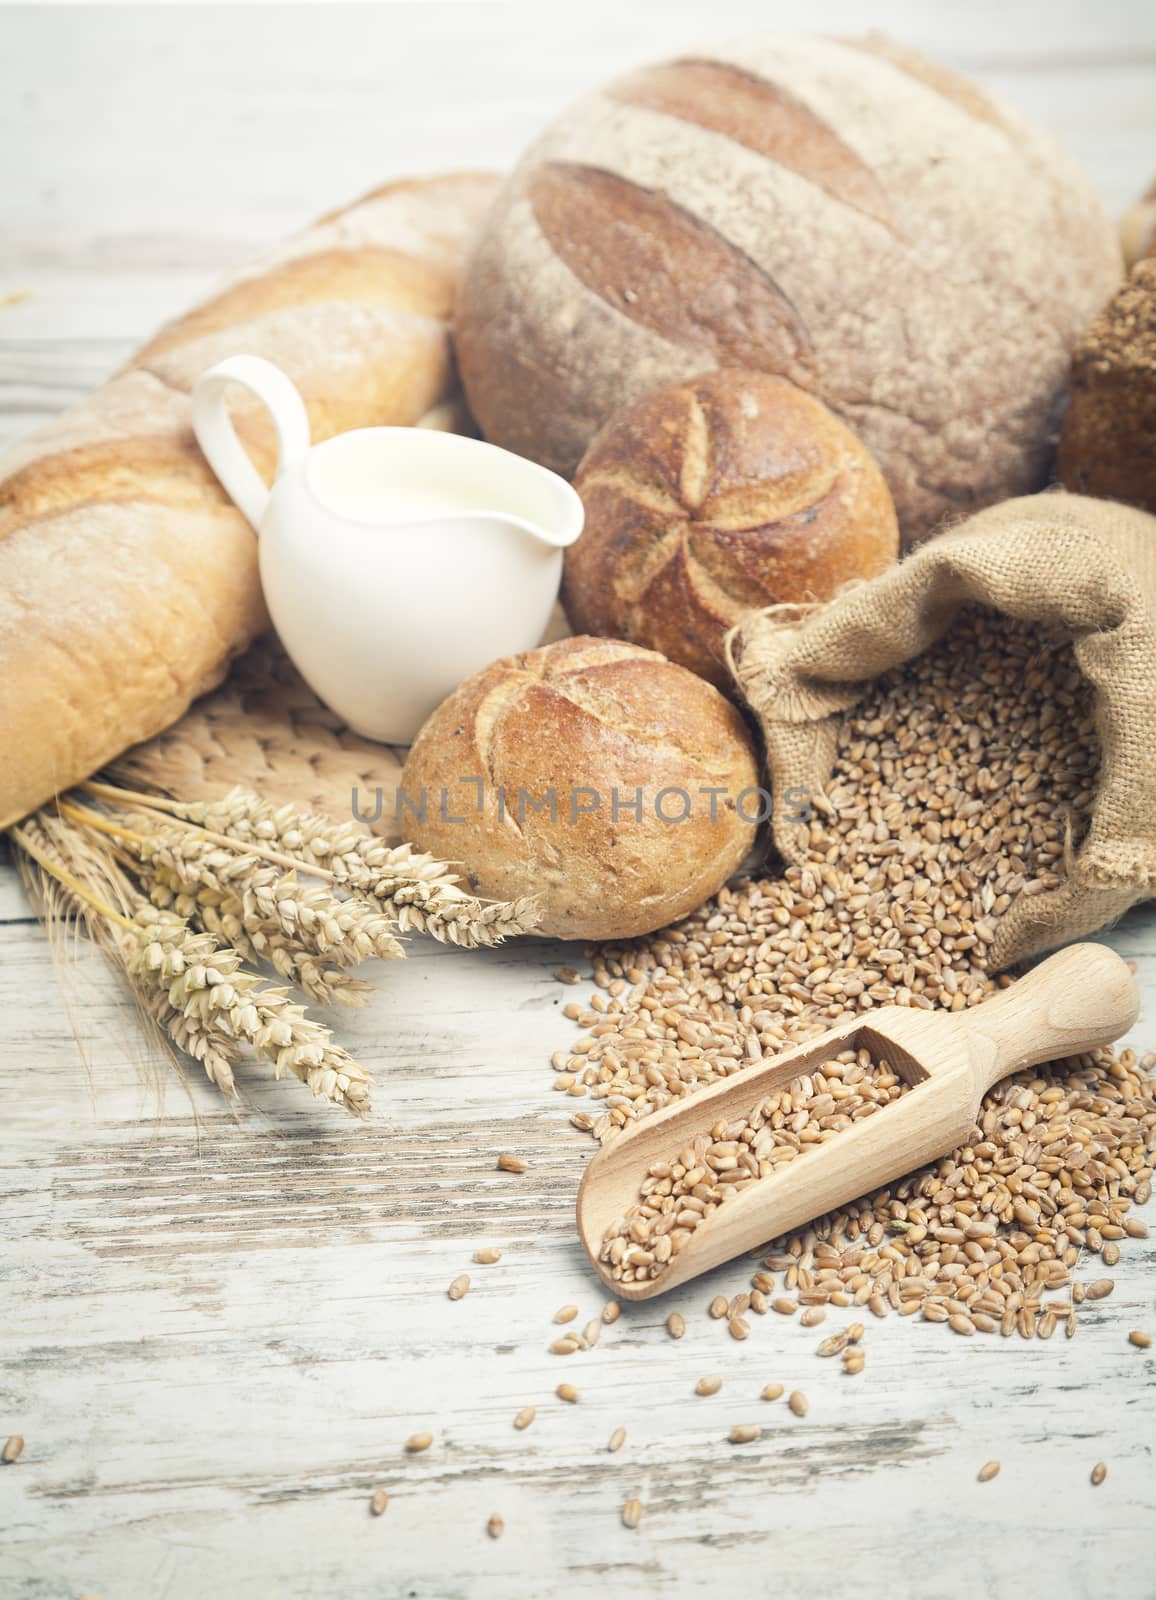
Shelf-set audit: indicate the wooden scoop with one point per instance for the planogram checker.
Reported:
(1080, 999)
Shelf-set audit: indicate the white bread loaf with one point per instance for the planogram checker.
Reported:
(127, 579)
(841, 213)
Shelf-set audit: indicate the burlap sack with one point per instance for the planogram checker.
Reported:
(1086, 566)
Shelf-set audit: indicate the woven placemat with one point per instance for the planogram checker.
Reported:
(266, 730)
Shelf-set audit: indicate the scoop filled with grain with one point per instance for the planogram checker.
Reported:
(697, 1184)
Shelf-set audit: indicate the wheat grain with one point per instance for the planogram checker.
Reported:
(911, 866)
(959, 784)
(379, 1500)
(681, 1193)
(632, 1513)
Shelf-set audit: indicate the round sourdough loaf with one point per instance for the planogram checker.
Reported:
(598, 776)
(841, 212)
(711, 497)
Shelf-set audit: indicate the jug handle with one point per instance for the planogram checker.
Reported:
(217, 437)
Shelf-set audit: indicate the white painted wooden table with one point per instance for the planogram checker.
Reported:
(216, 1333)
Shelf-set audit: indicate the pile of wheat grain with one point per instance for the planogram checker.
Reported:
(960, 783)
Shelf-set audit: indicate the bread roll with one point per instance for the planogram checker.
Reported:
(708, 498)
(127, 578)
(550, 773)
(1108, 446)
(840, 212)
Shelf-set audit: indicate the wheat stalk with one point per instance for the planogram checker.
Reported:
(196, 990)
(415, 891)
(255, 904)
(221, 912)
(208, 995)
(187, 898)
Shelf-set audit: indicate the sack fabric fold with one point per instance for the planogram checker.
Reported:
(1086, 567)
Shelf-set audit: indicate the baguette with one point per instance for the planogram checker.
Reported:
(128, 580)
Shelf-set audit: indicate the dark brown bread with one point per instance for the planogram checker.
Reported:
(707, 498)
(577, 719)
(840, 213)
(1108, 446)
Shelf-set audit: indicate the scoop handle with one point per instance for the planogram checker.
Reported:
(1077, 1000)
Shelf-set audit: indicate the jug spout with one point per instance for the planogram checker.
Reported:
(541, 503)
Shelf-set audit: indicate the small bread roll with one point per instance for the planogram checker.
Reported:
(619, 788)
(706, 499)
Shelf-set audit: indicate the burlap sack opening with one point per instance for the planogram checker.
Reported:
(1085, 566)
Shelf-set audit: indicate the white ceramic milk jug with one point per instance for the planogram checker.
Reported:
(395, 561)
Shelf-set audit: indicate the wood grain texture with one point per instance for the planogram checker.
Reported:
(217, 1333)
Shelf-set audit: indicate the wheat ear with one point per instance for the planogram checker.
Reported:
(414, 890)
(195, 989)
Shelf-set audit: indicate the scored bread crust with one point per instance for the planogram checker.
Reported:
(709, 498)
(128, 580)
(586, 714)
